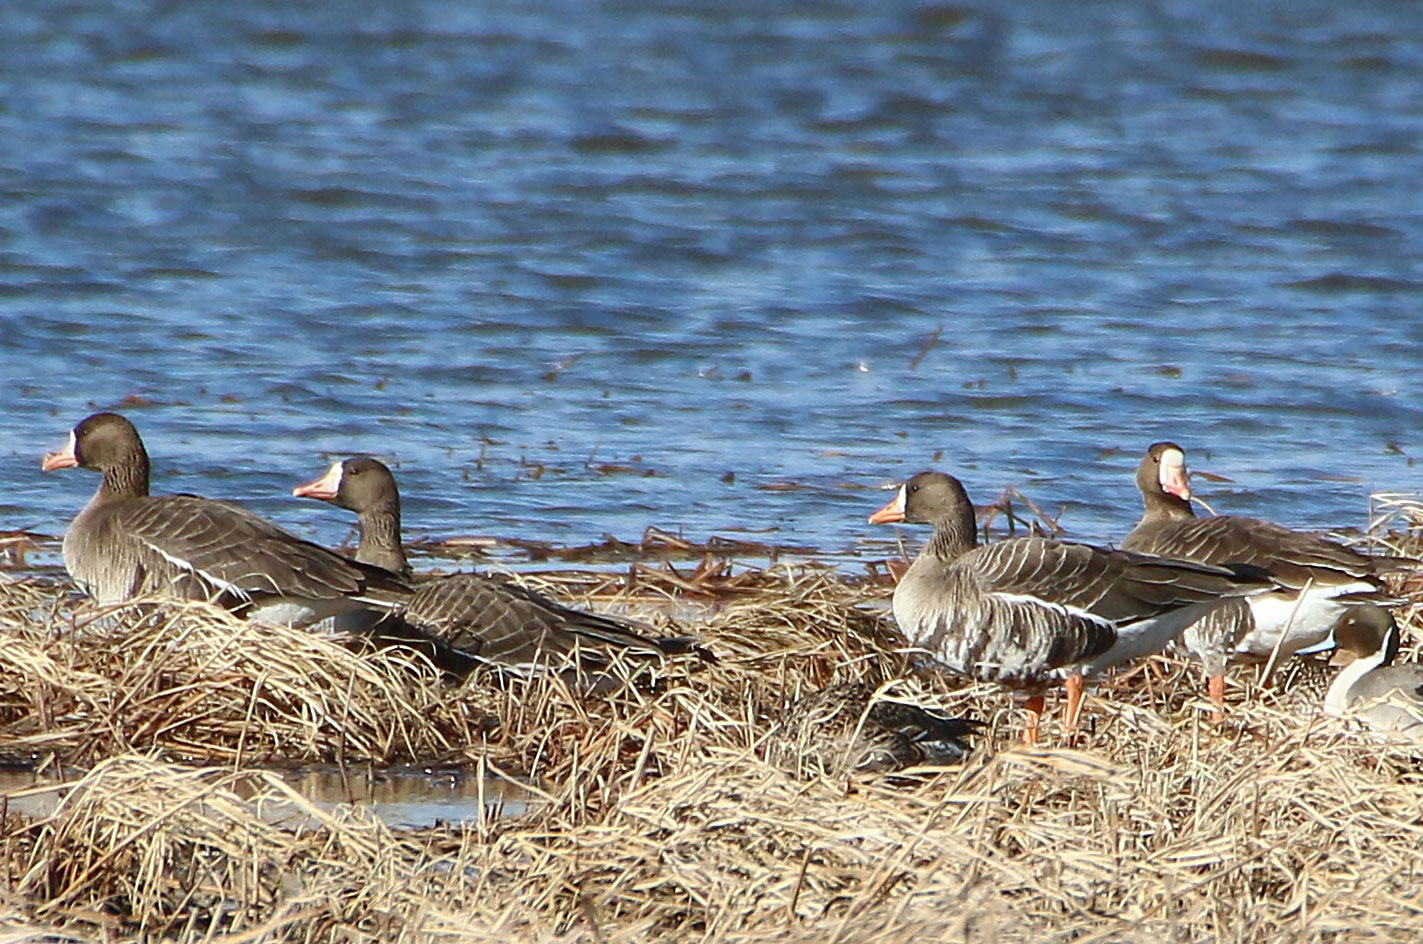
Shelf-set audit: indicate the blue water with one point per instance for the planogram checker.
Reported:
(581, 268)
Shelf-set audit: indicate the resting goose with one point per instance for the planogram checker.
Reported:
(1386, 697)
(1318, 578)
(1027, 612)
(126, 543)
(492, 620)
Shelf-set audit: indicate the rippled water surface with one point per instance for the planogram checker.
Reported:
(581, 268)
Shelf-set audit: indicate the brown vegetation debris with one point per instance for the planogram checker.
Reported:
(724, 802)
(655, 544)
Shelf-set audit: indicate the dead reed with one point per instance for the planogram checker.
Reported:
(689, 807)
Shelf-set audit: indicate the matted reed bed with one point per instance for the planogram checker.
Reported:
(688, 805)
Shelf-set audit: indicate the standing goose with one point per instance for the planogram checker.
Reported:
(1318, 578)
(1027, 612)
(492, 620)
(126, 543)
(1386, 697)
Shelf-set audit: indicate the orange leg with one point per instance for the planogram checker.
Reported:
(1034, 707)
(1216, 686)
(1074, 685)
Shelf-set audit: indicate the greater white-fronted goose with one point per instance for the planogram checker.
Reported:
(1386, 697)
(1027, 612)
(126, 543)
(1319, 578)
(493, 620)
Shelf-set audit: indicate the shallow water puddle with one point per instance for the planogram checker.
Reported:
(402, 797)
(409, 797)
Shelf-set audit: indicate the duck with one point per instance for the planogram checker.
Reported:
(1319, 579)
(1029, 612)
(126, 543)
(1387, 698)
(490, 620)
(854, 727)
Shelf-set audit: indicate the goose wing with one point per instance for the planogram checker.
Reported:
(1293, 558)
(502, 622)
(232, 551)
(1115, 587)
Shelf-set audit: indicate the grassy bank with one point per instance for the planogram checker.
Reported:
(691, 808)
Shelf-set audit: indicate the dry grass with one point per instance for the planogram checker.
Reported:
(671, 812)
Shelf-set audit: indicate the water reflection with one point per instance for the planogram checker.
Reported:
(402, 797)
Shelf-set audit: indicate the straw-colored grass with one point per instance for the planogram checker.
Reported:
(685, 806)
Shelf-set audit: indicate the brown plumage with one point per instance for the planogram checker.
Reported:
(1027, 612)
(486, 618)
(1318, 578)
(126, 543)
(850, 726)
(1386, 697)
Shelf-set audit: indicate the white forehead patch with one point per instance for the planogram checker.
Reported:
(1173, 468)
